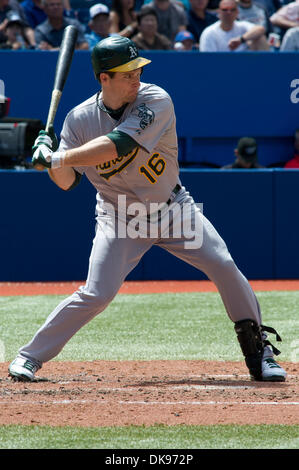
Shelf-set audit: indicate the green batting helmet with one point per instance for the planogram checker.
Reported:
(116, 54)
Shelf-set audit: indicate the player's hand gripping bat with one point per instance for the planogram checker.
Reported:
(64, 61)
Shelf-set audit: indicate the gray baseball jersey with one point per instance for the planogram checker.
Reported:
(148, 173)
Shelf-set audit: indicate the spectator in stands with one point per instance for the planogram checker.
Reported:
(148, 37)
(213, 6)
(34, 12)
(246, 155)
(11, 5)
(49, 34)
(14, 32)
(172, 18)
(230, 34)
(8, 7)
(294, 162)
(286, 17)
(182, 3)
(123, 18)
(251, 11)
(4, 8)
(199, 18)
(99, 24)
(271, 6)
(184, 41)
(290, 41)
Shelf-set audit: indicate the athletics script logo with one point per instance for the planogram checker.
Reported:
(117, 165)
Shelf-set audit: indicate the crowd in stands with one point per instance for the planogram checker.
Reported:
(182, 25)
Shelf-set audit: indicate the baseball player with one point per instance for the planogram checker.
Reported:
(124, 140)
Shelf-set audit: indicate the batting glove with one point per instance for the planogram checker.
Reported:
(43, 148)
(43, 138)
(48, 138)
(45, 157)
(42, 155)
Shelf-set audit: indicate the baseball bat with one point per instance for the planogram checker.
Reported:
(63, 65)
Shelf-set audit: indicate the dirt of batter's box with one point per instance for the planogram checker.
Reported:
(120, 393)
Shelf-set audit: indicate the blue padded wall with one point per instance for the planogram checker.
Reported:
(46, 233)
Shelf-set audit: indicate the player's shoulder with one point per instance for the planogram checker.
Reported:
(149, 91)
(83, 108)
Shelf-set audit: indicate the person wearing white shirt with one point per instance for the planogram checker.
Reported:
(228, 34)
(287, 16)
(290, 40)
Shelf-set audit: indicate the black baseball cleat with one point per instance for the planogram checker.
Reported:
(258, 351)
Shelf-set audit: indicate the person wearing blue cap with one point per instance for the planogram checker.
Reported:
(184, 41)
(99, 24)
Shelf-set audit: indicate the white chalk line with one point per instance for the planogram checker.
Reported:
(176, 387)
(211, 387)
(207, 403)
(150, 403)
(200, 378)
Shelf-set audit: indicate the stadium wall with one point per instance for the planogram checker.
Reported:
(46, 233)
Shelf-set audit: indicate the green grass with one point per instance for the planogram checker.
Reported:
(147, 327)
(152, 437)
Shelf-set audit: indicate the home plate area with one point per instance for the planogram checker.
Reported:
(120, 393)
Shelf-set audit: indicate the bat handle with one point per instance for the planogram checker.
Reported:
(56, 95)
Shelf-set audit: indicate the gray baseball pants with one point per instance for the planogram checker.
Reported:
(113, 258)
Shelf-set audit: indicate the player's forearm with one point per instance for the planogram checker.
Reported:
(62, 177)
(94, 152)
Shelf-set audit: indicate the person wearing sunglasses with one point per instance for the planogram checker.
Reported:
(230, 34)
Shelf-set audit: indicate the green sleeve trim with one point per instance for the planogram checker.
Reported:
(123, 142)
(78, 177)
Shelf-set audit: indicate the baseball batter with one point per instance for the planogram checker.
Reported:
(124, 140)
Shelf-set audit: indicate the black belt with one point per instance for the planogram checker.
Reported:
(175, 190)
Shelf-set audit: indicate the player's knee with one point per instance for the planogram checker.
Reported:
(225, 264)
(229, 265)
(97, 300)
(222, 268)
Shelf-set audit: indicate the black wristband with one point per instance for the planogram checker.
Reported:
(242, 39)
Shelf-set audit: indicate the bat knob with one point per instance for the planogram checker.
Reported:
(39, 167)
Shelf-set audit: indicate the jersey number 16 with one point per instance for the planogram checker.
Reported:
(154, 167)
